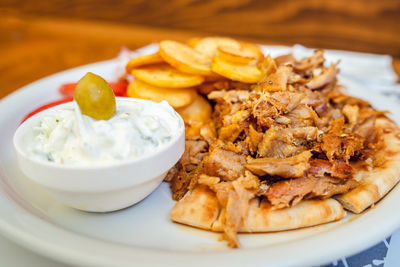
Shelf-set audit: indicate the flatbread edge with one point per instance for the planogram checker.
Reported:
(200, 209)
(304, 214)
(376, 183)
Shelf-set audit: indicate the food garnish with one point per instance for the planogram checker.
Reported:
(119, 88)
(95, 97)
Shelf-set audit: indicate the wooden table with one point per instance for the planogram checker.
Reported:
(34, 45)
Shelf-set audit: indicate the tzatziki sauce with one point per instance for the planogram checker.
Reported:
(138, 128)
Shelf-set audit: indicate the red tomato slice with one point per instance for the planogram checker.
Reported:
(67, 89)
(119, 88)
(46, 106)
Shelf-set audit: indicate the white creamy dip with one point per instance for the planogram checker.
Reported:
(138, 128)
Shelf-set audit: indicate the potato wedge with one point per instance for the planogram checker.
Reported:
(163, 75)
(177, 98)
(143, 61)
(197, 112)
(208, 45)
(185, 58)
(237, 72)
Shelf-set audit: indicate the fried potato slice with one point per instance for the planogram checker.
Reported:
(193, 41)
(247, 53)
(163, 75)
(208, 45)
(254, 49)
(177, 98)
(236, 72)
(234, 55)
(143, 61)
(197, 112)
(185, 58)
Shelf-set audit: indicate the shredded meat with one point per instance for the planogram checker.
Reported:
(225, 164)
(308, 63)
(288, 167)
(285, 193)
(182, 182)
(285, 142)
(327, 186)
(277, 81)
(285, 59)
(289, 192)
(366, 128)
(232, 96)
(235, 197)
(266, 108)
(205, 179)
(302, 116)
(209, 87)
(294, 135)
(339, 143)
(337, 169)
(233, 216)
(192, 154)
(208, 133)
(351, 113)
(253, 139)
(230, 132)
(289, 99)
(341, 147)
(268, 67)
(328, 76)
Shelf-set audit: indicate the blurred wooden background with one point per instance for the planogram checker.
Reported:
(38, 38)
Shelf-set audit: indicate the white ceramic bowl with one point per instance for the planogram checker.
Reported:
(104, 188)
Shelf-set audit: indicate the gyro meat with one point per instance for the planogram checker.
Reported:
(287, 167)
(292, 136)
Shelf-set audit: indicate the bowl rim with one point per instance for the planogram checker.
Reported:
(23, 129)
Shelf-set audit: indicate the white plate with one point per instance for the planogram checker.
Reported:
(142, 234)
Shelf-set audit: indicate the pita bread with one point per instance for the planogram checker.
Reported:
(200, 209)
(376, 183)
(306, 213)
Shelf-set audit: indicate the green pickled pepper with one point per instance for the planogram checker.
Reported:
(95, 97)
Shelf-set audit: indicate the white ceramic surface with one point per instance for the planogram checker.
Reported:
(100, 188)
(143, 235)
